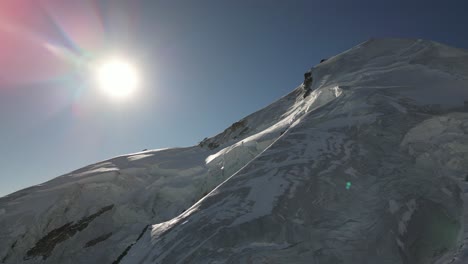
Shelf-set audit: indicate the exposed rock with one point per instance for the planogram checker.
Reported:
(236, 130)
(308, 79)
(307, 84)
(46, 245)
(124, 253)
(213, 145)
(237, 125)
(97, 240)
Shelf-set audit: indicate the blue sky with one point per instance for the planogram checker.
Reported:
(205, 65)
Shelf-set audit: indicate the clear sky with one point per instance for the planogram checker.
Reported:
(204, 65)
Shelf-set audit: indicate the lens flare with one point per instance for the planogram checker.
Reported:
(348, 185)
(117, 77)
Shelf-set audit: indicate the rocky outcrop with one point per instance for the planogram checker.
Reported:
(125, 252)
(97, 240)
(46, 244)
(307, 84)
(235, 131)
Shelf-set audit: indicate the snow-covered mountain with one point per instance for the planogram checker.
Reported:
(365, 162)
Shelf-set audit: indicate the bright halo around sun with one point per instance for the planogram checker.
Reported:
(117, 77)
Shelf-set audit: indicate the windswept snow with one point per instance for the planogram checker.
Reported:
(139, 156)
(95, 171)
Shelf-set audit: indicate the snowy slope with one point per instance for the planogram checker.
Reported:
(95, 213)
(365, 162)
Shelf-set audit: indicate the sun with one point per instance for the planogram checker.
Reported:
(117, 77)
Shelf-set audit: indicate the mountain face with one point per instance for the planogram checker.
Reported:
(365, 162)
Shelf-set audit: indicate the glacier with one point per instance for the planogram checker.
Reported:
(366, 161)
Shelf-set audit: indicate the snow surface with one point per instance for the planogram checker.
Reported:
(388, 116)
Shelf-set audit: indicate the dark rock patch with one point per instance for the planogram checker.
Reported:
(213, 145)
(234, 131)
(46, 244)
(237, 125)
(307, 93)
(97, 240)
(124, 253)
(307, 84)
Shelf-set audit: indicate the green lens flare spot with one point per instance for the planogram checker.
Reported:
(348, 185)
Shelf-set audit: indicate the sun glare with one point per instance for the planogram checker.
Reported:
(117, 77)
